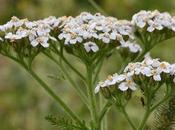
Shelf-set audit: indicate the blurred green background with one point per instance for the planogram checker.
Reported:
(23, 104)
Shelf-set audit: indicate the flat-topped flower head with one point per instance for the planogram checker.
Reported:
(153, 20)
(152, 69)
(101, 30)
(35, 32)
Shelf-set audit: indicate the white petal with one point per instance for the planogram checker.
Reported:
(105, 40)
(133, 87)
(97, 89)
(146, 71)
(150, 29)
(94, 48)
(34, 43)
(123, 86)
(120, 78)
(45, 44)
(157, 77)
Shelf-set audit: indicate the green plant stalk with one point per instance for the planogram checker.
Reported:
(149, 109)
(144, 120)
(67, 62)
(79, 91)
(92, 98)
(105, 122)
(102, 123)
(127, 117)
(104, 110)
(48, 90)
(75, 70)
(97, 7)
(54, 96)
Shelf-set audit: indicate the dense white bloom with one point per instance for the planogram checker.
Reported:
(87, 27)
(91, 46)
(38, 32)
(151, 68)
(154, 20)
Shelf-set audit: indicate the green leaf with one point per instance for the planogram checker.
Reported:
(64, 124)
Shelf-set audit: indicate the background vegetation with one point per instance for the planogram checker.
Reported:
(23, 104)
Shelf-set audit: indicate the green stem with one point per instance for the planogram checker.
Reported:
(49, 91)
(79, 91)
(65, 61)
(168, 94)
(75, 70)
(54, 96)
(105, 122)
(105, 110)
(92, 98)
(145, 118)
(97, 7)
(128, 118)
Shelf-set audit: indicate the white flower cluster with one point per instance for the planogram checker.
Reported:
(154, 20)
(88, 29)
(91, 28)
(149, 67)
(38, 32)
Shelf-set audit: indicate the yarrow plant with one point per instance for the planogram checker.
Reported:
(92, 38)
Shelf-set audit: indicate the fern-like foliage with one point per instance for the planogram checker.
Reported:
(165, 116)
(64, 124)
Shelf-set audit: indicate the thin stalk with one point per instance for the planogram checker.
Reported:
(49, 91)
(75, 70)
(54, 96)
(98, 70)
(105, 110)
(105, 122)
(97, 7)
(79, 91)
(91, 96)
(128, 118)
(145, 118)
(67, 62)
(168, 94)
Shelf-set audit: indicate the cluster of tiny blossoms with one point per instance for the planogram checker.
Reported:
(37, 32)
(154, 20)
(149, 67)
(90, 29)
(93, 31)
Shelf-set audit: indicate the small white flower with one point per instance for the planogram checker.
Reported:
(156, 75)
(146, 71)
(164, 67)
(134, 48)
(155, 63)
(12, 36)
(128, 84)
(43, 41)
(119, 78)
(97, 88)
(140, 19)
(91, 46)
(105, 37)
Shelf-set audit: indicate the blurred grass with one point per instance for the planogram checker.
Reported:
(23, 104)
